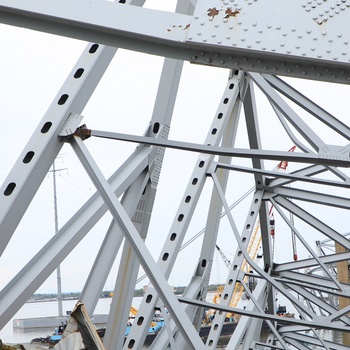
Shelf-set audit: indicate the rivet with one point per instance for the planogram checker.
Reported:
(216, 25)
(343, 53)
(245, 29)
(202, 23)
(312, 49)
(228, 37)
(213, 35)
(288, 51)
(335, 58)
(264, 48)
(199, 33)
(257, 41)
(243, 39)
(315, 38)
(328, 50)
(231, 27)
(254, 24)
(209, 60)
(202, 53)
(346, 42)
(324, 33)
(284, 34)
(308, 31)
(282, 45)
(193, 58)
(348, 78)
(249, 46)
(273, 49)
(297, 47)
(204, 40)
(222, 62)
(196, 17)
(269, 26)
(278, 27)
(219, 42)
(189, 38)
(339, 35)
(260, 31)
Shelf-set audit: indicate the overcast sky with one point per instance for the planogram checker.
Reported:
(33, 66)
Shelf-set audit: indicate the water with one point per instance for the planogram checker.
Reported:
(50, 308)
(43, 309)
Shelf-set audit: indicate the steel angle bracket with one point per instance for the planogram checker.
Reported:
(71, 124)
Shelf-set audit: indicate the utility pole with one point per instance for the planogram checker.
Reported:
(58, 270)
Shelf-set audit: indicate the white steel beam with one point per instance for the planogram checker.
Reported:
(40, 152)
(144, 256)
(39, 268)
(178, 229)
(217, 34)
(343, 160)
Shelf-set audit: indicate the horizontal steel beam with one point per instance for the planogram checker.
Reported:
(222, 151)
(172, 35)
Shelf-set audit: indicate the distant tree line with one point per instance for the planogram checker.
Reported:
(107, 293)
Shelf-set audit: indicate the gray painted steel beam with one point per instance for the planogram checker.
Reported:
(144, 256)
(199, 38)
(341, 160)
(39, 268)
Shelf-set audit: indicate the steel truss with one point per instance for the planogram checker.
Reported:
(198, 33)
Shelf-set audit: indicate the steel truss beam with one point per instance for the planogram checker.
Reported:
(194, 38)
(200, 33)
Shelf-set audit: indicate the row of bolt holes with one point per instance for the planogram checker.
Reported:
(173, 237)
(47, 126)
(210, 343)
(195, 180)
